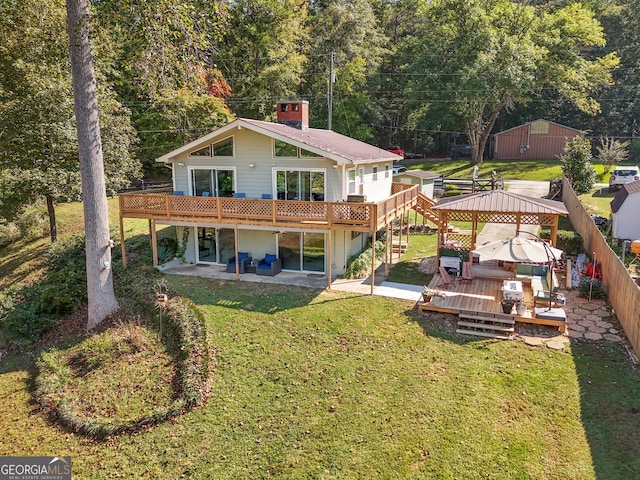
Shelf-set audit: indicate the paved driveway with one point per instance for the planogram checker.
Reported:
(497, 231)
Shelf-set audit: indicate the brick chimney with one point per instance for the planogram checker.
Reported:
(294, 113)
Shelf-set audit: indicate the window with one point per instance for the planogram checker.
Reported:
(223, 148)
(375, 173)
(203, 152)
(386, 171)
(284, 107)
(283, 149)
(351, 181)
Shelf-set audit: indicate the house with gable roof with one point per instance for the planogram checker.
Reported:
(312, 197)
(624, 212)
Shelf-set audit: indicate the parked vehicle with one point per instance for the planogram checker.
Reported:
(623, 175)
(399, 168)
(396, 149)
(460, 151)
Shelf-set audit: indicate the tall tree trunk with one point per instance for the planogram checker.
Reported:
(102, 299)
(52, 219)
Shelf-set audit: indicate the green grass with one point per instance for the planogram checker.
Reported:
(119, 375)
(420, 245)
(312, 384)
(535, 170)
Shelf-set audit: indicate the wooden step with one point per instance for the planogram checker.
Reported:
(486, 326)
(487, 318)
(478, 333)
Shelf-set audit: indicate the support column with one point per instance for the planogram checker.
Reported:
(154, 243)
(235, 247)
(387, 250)
(329, 258)
(373, 260)
(122, 249)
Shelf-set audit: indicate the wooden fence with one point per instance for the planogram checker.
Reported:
(622, 291)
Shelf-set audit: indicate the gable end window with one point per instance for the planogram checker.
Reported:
(223, 148)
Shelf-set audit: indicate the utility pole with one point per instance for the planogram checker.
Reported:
(332, 78)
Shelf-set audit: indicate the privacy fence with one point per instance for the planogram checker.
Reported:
(622, 291)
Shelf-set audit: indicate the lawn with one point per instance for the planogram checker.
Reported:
(323, 384)
(312, 384)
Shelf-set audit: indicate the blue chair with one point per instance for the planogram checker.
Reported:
(178, 193)
(239, 195)
(270, 265)
(205, 194)
(243, 260)
(266, 196)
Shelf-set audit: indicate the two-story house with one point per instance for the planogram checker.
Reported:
(312, 197)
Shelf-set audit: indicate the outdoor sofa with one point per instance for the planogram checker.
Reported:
(541, 277)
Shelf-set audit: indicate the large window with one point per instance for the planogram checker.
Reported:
(284, 149)
(305, 185)
(212, 182)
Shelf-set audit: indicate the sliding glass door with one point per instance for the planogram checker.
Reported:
(215, 245)
(305, 185)
(302, 251)
(212, 182)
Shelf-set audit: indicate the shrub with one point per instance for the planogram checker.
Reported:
(31, 223)
(359, 266)
(9, 233)
(185, 323)
(597, 289)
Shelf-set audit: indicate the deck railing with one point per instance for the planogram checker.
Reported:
(277, 213)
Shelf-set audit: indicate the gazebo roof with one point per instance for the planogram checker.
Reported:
(501, 201)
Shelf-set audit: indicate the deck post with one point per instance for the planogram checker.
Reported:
(122, 249)
(329, 258)
(373, 260)
(387, 250)
(154, 243)
(235, 247)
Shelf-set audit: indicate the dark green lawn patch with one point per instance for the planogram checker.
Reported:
(129, 376)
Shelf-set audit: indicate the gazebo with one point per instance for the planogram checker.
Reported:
(495, 206)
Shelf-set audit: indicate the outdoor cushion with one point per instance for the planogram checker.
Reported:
(269, 258)
(539, 269)
(243, 255)
(524, 269)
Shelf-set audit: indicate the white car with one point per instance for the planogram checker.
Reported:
(623, 175)
(399, 168)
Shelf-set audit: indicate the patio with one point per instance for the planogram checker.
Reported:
(480, 298)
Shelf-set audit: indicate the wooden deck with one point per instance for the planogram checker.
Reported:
(353, 216)
(482, 295)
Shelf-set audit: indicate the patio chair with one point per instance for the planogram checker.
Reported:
(243, 260)
(205, 194)
(444, 275)
(239, 195)
(270, 265)
(467, 272)
(266, 196)
(178, 193)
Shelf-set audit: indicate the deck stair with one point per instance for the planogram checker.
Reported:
(488, 325)
(423, 207)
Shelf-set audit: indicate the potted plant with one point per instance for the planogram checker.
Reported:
(429, 293)
(507, 305)
(521, 307)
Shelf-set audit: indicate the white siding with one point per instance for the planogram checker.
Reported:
(625, 222)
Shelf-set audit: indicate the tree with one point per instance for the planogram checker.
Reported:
(471, 60)
(576, 165)
(611, 151)
(101, 296)
(38, 145)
